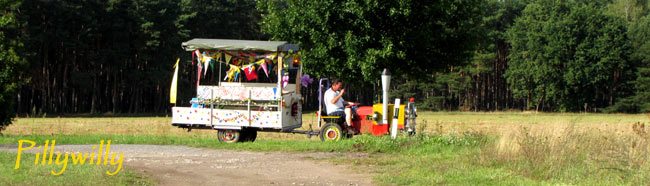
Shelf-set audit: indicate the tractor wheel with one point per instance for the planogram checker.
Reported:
(249, 135)
(229, 136)
(331, 132)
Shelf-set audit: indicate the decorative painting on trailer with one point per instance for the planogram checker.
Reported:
(202, 116)
(237, 92)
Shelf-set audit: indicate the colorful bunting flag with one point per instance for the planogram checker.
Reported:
(218, 57)
(271, 56)
(251, 54)
(228, 57)
(262, 63)
(232, 74)
(206, 60)
(198, 56)
(235, 61)
(198, 74)
(285, 81)
(250, 72)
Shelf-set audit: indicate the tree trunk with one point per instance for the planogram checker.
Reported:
(93, 101)
(114, 93)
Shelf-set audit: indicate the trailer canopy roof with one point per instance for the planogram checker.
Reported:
(230, 44)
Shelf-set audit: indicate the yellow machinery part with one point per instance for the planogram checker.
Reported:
(378, 108)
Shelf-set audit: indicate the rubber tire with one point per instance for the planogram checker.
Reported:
(331, 127)
(249, 135)
(236, 136)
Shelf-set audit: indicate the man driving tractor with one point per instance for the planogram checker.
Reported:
(335, 104)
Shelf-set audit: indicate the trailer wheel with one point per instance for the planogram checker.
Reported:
(229, 136)
(331, 132)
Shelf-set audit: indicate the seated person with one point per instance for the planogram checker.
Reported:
(334, 102)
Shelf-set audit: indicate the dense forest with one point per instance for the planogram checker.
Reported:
(117, 56)
(481, 55)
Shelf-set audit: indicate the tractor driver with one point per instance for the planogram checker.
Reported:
(335, 104)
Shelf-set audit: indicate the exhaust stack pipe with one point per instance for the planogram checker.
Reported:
(385, 83)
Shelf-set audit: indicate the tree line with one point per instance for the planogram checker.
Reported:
(117, 56)
(98, 56)
(481, 55)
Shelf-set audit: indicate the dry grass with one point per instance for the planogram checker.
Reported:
(104, 125)
(567, 148)
(569, 153)
(510, 127)
(505, 123)
(123, 125)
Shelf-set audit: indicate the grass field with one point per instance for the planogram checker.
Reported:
(452, 148)
(30, 174)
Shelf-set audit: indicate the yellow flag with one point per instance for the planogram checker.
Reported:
(260, 62)
(172, 91)
(228, 58)
(218, 57)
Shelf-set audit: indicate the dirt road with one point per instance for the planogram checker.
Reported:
(180, 165)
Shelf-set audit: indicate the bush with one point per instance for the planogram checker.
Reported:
(625, 105)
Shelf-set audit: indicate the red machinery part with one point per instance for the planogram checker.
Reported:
(361, 121)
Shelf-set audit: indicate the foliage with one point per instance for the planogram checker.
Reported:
(630, 10)
(12, 63)
(640, 37)
(568, 56)
(441, 92)
(355, 40)
(640, 40)
(478, 84)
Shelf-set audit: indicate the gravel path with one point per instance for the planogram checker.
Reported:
(181, 165)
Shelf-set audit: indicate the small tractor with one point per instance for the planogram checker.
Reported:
(366, 119)
(260, 91)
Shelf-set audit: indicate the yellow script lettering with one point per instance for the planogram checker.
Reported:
(113, 163)
(57, 162)
(20, 149)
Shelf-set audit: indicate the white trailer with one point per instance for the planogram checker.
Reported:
(238, 109)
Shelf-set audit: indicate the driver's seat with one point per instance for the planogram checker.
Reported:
(331, 119)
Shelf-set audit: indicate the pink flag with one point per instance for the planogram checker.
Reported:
(266, 71)
(198, 75)
(198, 56)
